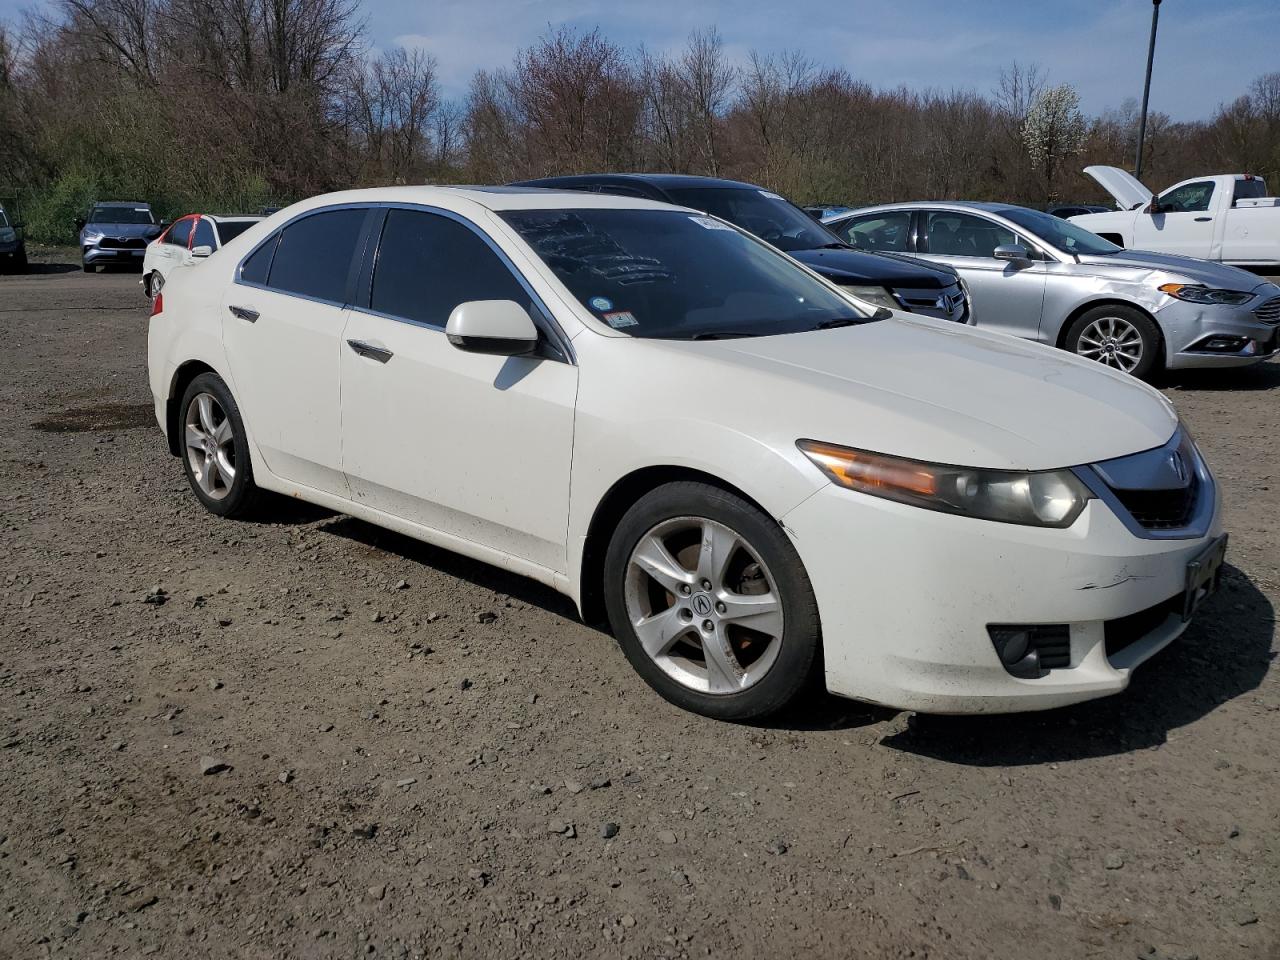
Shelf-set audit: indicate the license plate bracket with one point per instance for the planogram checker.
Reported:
(1204, 576)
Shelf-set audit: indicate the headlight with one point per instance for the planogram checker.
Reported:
(1199, 294)
(880, 296)
(8, 234)
(1042, 498)
(92, 236)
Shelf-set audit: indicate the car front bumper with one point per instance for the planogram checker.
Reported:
(1188, 326)
(906, 595)
(92, 254)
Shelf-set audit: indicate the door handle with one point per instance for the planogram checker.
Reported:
(366, 349)
(1203, 219)
(244, 313)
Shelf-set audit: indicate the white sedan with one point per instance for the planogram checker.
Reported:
(757, 480)
(186, 240)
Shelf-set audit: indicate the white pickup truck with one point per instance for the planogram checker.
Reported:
(1226, 217)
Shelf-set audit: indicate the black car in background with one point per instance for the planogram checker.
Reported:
(1065, 210)
(884, 279)
(13, 248)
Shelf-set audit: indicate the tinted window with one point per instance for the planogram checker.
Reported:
(228, 230)
(1190, 198)
(314, 255)
(1244, 190)
(121, 214)
(255, 269)
(428, 264)
(1057, 232)
(204, 235)
(877, 231)
(179, 233)
(622, 190)
(663, 273)
(964, 235)
(765, 214)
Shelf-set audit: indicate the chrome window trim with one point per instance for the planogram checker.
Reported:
(1206, 504)
(544, 319)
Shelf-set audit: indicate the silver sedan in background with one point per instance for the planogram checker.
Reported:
(1037, 276)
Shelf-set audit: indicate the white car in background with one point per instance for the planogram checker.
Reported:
(1227, 217)
(187, 239)
(755, 477)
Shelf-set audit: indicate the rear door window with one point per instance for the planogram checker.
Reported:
(878, 231)
(314, 255)
(428, 264)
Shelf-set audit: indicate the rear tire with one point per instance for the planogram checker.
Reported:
(215, 448)
(88, 267)
(728, 616)
(1123, 338)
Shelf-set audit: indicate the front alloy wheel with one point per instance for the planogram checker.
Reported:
(1117, 336)
(710, 602)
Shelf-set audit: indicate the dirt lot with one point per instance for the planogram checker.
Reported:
(421, 754)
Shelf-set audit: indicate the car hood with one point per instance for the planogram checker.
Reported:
(124, 229)
(1127, 189)
(1198, 271)
(854, 266)
(924, 389)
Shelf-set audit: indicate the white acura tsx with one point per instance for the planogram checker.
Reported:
(755, 479)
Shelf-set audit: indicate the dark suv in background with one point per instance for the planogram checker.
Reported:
(13, 249)
(116, 231)
(887, 280)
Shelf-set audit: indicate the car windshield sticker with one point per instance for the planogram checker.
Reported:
(621, 318)
(769, 196)
(710, 224)
(601, 304)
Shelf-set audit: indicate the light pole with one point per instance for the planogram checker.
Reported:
(1146, 88)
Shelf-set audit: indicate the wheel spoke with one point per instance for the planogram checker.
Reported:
(659, 632)
(724, 673)
(759, 612)
(195, 437)
(223, 434)
(653, 557)
(718, 546)
(225, 468)
(207, 475)
(204, 405)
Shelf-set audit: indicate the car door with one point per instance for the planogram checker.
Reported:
(172, 248)
(1183, 225)
(283, 318)
(472, 445)
(1004, 295)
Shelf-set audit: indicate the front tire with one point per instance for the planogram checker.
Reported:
(1123, 338)
(710, 603)
(215, 448)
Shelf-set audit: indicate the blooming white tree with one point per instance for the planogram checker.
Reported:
(1053, 131)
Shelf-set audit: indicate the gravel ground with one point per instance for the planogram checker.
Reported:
(313, 738)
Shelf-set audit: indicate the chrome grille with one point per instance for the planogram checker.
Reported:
(1269, 312)
(1165, 492)
(122, 243)
(946, 303)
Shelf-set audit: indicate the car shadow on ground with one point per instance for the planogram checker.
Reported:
(453, 564)
(1262, 376)
(1225, 653)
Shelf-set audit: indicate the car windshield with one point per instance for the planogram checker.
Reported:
(666, 274)
(228, 230)
(121, 214)
(765, 214)
(1059, 233)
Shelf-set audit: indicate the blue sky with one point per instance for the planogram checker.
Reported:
(1208, 52)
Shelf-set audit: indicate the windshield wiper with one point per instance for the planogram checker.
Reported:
(723, 335)
(848, 321)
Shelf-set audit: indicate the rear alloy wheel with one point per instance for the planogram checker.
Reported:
(1119, 337)
(710, 602)
(154, 284)
(215, 451)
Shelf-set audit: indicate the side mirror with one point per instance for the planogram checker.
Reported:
(1154, 207)
(1013, 252)
(201, 251)
(500, 327)
(164, 222)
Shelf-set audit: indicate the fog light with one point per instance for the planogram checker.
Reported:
(1032, 650)
(1223, 344)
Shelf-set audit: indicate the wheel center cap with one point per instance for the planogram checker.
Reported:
(702, 604)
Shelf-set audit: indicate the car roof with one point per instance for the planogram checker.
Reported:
(122, 203)
(662, 181)
(984, 205)
(231, 217)
(462, 199)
